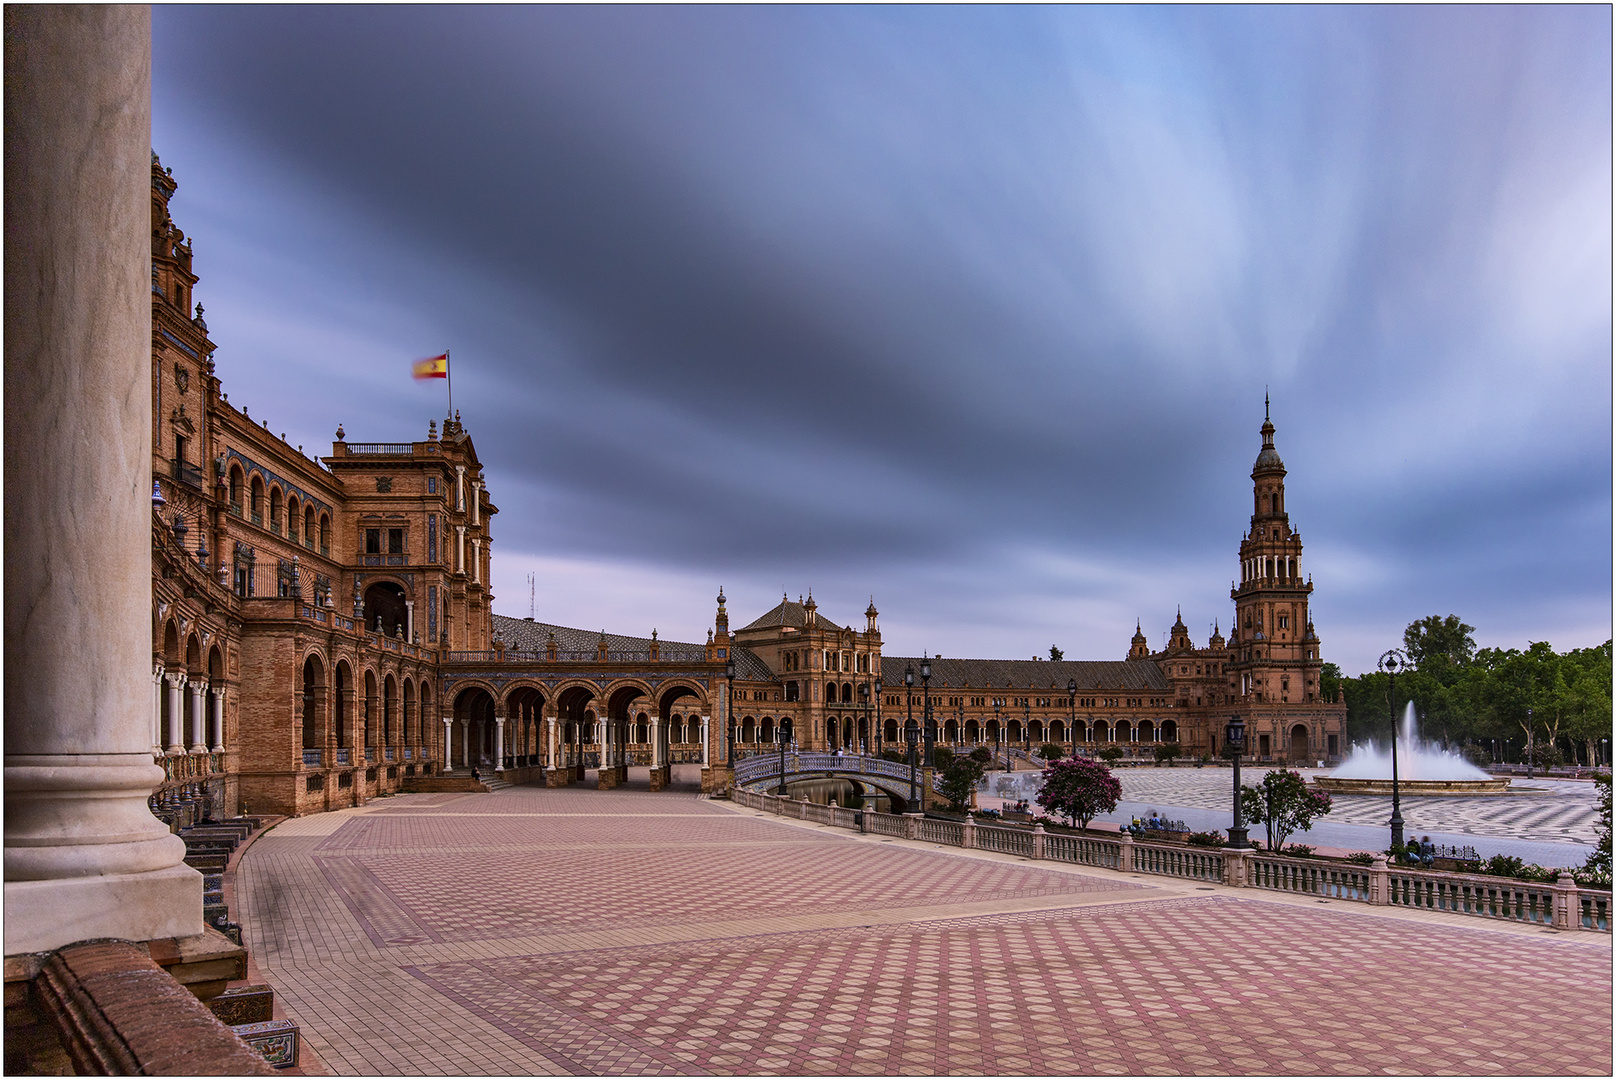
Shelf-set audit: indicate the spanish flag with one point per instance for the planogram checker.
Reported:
(435, 367)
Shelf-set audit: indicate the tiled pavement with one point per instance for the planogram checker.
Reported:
(539, 931)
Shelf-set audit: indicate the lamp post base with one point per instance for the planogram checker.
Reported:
(1238, 838)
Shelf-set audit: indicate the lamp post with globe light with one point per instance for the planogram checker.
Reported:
(1234, 741)
(1391, 662)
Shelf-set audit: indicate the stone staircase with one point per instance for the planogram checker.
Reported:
(493, 783)
(248, 1010)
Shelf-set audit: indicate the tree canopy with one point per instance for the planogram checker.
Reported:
(1463, 694)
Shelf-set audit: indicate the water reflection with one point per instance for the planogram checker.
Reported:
(827, 792)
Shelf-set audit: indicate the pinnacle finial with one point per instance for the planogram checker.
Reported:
(1265, 403)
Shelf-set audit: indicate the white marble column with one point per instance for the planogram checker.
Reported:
(499, 744)
(656, 744)
(706, 758)
(465, 744)
(157, 710)
(409, 620)
(84, 857)
(198, 688)
(476, 560)
(553, 759)
(476, 502)
(176, 714)
(460, 549)
(460, 488)
(448, 744)
(217, 741)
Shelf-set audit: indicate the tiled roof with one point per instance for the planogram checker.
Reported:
(529, 636)
(1035, 675)
(790, 613)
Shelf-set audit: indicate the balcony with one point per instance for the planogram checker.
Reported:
(387, 753)
(188, 474)
(343, 756)
(408, 753)
(370, 754)
(381, 448)
(313, 758)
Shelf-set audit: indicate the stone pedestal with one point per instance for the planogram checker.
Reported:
(661, 777)
(84, 857)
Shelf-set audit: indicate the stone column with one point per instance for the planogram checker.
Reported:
(460, 549)
(217, 741)
(499, 743)
(176, 714)
(448, 744)
(465, 743)
(409, 620)
(553, 755)
(476, 502)
(476, 560)
(460, 488)
(157, 710)
(198, 743)
(84, 857)
(656, 745)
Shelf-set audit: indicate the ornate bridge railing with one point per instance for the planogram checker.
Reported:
(764, 766)
(1562, 904)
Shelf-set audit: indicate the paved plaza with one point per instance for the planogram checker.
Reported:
(574, 931)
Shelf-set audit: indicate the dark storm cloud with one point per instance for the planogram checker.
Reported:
(861, 297)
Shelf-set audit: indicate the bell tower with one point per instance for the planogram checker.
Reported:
(1275, 650)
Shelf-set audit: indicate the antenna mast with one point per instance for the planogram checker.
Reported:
(530, 596)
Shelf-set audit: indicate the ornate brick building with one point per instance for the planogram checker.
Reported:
(323, 631)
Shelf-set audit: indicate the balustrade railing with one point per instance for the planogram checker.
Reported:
(370, 753)
(1562, 905)
(387, 754)
(409, 753)
(344, 756)
(1197, 865)
(1009, 841)
(313, 756)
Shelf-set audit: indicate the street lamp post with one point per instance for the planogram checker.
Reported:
(925, 691)
(909, 725)
(998, 744)
(1234, 740)
(1530, 731)
(1391, 662)
(1071, 704)
(878, 732)
(864, 692)
(998, 723)
(785, 737)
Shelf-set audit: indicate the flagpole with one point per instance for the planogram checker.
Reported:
(448, 373)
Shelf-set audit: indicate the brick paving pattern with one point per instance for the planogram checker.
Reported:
(527, 934)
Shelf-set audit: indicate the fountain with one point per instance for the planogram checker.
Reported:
(1422, 769)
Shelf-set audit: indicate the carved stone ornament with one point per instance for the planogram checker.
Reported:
(384, 483)
(182, 378)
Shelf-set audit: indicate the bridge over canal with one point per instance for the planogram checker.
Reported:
(868, 775)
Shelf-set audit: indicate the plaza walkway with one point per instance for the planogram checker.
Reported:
(574, 931)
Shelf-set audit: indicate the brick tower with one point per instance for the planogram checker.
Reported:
(1276, 652)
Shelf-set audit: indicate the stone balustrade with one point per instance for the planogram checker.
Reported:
(1562, 905)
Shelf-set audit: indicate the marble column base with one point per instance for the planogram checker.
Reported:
(45, 915)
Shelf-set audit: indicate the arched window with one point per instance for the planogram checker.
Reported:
(236, 481)
(274, 509)
(325, 534)
(308, 527)
(256, 494)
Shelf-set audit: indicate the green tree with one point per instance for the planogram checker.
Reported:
(1329, 681)
(1055, 653)
(1078, 789)
(1284, 804)
(1111, 753)
(941, 758)
(1167, 751)
(1435, 641)
(959, 779)
(1051, 751)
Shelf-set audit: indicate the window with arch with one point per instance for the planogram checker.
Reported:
(237, 481)
(293, 520)
(325, 534)
(275, 509)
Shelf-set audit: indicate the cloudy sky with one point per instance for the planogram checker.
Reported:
(971, 309)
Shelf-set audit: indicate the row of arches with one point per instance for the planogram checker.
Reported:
(301, 523)
(484, 731)
(343, 711)
(188, 692)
